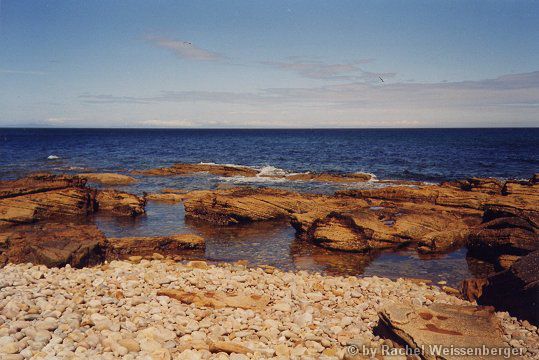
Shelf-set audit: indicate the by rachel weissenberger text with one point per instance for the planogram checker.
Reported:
(436, 350)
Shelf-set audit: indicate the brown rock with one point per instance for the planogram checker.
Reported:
(485, 185)
(328, 177)
(120, 203)
(358, 231)
(108, 178)
(186, 169)
(197, 264)
(505, 261)
(217, 299)
(120, 247)
(228, 347)
(166, 197)
(53, 244)
(242, 205)
(444, 325)
(391, 227)
(505, 230)
(43, 196)
(515, 290)
(38, 183)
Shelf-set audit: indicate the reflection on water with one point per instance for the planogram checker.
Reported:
(274, 243)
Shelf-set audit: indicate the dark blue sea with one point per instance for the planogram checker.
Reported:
(411, 154)
(430, 155)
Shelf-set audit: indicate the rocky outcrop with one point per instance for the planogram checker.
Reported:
(378, 228)
(242, 205)
(166, 197)
(44, 196)
(473, 194)
(330, 177)
(429, 329)
(505, 230)
(515, 290)
(120, 203)
(165, 245)
(108, 178)
(438, 218)
(53, 245)
(186, 169)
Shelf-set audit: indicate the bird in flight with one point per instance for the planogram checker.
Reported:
(379, 77)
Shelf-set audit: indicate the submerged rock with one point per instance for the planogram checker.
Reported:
(108, 178)
(186, 169)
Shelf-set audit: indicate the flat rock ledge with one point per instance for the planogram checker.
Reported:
(167, 310)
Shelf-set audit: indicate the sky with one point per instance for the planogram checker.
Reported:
(269, 64)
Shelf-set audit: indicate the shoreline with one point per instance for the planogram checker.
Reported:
(49, 219)
(114, 310)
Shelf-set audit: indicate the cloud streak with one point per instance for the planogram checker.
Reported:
(508, 90)
(330, 71)
(184, 49)
(22, 72)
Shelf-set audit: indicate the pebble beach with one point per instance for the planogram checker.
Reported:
(115, 311)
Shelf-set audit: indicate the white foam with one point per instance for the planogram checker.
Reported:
(270, 171)
(52, 157)
(252, 179)
(229, 165)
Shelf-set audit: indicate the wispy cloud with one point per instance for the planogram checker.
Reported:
(507, 90)
(351, 71)
(22, 72)
(184, 49)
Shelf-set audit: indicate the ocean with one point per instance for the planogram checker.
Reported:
(430, 155)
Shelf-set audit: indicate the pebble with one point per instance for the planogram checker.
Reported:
(113, 311)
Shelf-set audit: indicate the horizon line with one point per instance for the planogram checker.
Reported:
(267, 128)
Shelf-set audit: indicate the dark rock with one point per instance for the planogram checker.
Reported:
(515, 290)
(53, 245)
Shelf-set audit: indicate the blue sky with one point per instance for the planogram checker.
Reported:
(269, 63)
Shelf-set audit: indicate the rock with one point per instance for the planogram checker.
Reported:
(364, 230)
(236, 170)
(328, 177)
(44, 196)
(166, 197)
(53, 244)
(108, 178)
(228, 347)
(484, 185)
(101, 322)
(242, 205)
(187, 169)
(505, 261)
(515, 290)
(217, 299)
(130, 344)
(445, 325)
(505, 230)
(172, 244)
(120, 203)
(359, 231)
(197, 264)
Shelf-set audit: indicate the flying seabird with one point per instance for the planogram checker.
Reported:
(379, 77)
